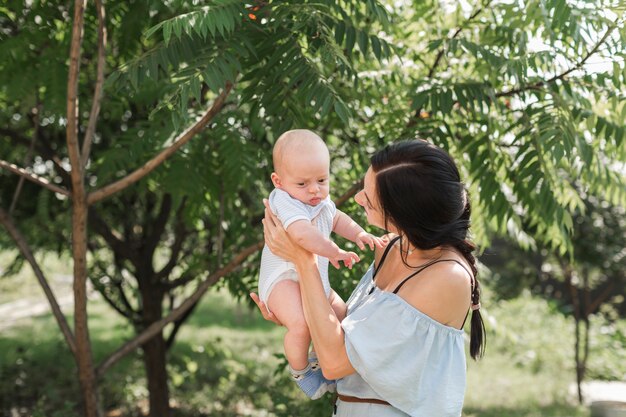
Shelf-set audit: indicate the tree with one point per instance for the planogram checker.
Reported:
(201, 65)
(589, 282)
(515, 91)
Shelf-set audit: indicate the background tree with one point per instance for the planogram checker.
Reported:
(185, 68)
(589, 283)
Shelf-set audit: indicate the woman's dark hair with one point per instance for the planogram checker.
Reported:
(420, 192)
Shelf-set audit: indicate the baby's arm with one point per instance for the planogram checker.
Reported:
(310, 238)
(345, 227)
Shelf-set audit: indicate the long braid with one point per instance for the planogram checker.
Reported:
(478, 337)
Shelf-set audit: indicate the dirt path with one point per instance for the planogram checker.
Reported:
(19, 311)
(601, 391)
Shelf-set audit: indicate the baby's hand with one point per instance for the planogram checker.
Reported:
(348, 258)
(365, 238)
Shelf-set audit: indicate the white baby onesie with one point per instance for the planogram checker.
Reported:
(289, 210)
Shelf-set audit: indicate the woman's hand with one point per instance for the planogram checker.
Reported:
(267, 315)
(277, 239)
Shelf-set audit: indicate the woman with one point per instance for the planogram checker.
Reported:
(400, 349)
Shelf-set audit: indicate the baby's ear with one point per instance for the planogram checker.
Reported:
(276, 180)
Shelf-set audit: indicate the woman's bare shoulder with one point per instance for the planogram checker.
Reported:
(443, 292)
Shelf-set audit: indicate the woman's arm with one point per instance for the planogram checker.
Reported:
(325, 328)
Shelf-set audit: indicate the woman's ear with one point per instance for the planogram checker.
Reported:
(276, 180)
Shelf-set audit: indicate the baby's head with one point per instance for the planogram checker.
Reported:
(302, 166)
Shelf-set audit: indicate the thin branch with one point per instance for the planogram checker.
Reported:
(114, 305)
(177, 325)
(157, 225)
(156, 327)
(118, 245)
(350, 192)
(564, 74)
(220, 226)
(183, 279)
(473, 16)
(33, 177)
(149, 166)
(43, 147)
(175, 257)
(119, 284)
(71, 131)
(440, 53)
(97, 94)
(27, 253)
(180, 234)
(28, 158)
(606, 293)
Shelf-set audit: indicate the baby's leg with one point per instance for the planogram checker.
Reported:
(338, 305)
(284, 301)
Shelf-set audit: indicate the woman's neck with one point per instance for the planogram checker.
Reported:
(415, 254)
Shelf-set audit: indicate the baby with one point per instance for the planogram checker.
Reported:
(301, 202)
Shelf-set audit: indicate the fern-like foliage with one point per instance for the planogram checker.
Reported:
(540, 127)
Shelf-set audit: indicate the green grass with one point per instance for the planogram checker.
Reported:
(227, 362)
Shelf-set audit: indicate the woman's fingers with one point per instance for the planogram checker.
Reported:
(269, 215)
(256, 299)
(267, 315)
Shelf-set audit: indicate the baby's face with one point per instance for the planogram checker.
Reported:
(304, 175)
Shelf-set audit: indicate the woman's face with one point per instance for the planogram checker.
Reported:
(368, 199)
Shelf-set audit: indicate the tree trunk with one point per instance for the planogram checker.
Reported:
(579, 364)
(576, 307)
(154, 352)
(581, 304)
(84, 360)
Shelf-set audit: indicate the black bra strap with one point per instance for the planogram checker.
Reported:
(426, 266)
(382, 258)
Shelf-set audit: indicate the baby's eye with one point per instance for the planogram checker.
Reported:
(300, 184)
(322, 181)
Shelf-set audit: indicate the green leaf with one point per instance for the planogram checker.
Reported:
(326, 105)
(153, 30)
(209, 22)
(196, 89)
(340, 31)
(342, 111)
(419, 101)
(350, 39)
(167, 32)
(212, 79)
(376, 48)
(154, 67)
(446, 101)
(363, 42)
(178, 28)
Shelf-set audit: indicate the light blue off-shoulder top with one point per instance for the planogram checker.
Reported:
(401, 355)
